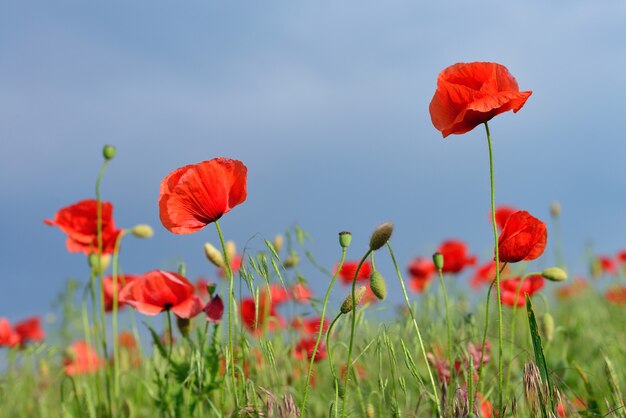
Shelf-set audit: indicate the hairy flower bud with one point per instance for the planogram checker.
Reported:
(278, 242)
(438, 260)
(378, 285)
(381, 235)
(547, 326)
(554, 274)
(214, 255)
(142, 231)
(347, 305)
(105, 261)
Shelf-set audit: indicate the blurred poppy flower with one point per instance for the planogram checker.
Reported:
(8, 337)
(214, 310)
(196, 195)
(486, 409)
(107, 290)
(158, 291)
(358, 368)
(616, 295)
(348, 270)
(469, 94)
(202, 287)
(421, 271)
(126, 340)
(301, 293)
(80, 223)
(502, 215)
(530, 286)
(522, 238)
(455, 257)
(485, 274)
(257, 320)
(603, 265)
(309, 325)
(566, 291)
(235, 264)
(279, 294)
(621, 256)
(29, 330)
(81, 359)
(304, 350)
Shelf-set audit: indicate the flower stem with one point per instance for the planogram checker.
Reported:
(417, 330)
(231, 296)
(330, 361)
(449, 323)
(352, 328)
(321, 330)
(497, 259)
(116, 348)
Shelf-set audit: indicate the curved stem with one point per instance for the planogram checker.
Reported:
(321, 330)
(417, 330)
(231, 296)
(497, 257)
(330, 361)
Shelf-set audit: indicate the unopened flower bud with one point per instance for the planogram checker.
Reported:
(378, 285)
(547, 326)
(347, 305)
(291, 261)
(182, 269)
(381, 235)
(214, 255)
(278, 243)
(370, 411)
(142, 231)
(438, 261)
(184, 326)
(554, 274)
(231, 250)
(345, 238)
(555, 209)
(108, 152)
(210, 288)
(341, 389)
(105, 261)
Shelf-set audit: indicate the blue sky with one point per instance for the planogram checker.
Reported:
(327, 105)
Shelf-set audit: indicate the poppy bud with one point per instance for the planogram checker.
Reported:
(438, 260)
(210, 288)
(214, 310)
(292, 260)
(347, 305)
(278, 242)
(184, 326)
(370, 411)
(381, 235)
(214, 255)
(378, 285)
(341, 389)
(142, 231)
(554, 274)
(182, 269)
(231, 249)
(555, 209)
(345, 238)
(108, 152)
(547, 326)
(105, 261)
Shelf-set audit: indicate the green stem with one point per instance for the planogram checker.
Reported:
(330, 361)
(497, 256)
(417, 330)
(321, 330)
(231, 296)
(352, 328)
(449, 323)
(116, 348)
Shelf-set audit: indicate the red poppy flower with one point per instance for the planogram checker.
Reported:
(421, 271)
(8, 337)
(304, 350)
(301, 293)
(309, 326)
(126, 340)
(616, 295)
(530, 286)
(256, 320)
(196, 195)
(348, 271)
(158, 291)
(80, 222)
(214, 310)
(235, 265)
(485, 274)
(621, 256)
(455, 257)
(486, 409)
(107, 290)
(502, 215)
(522, 238)
(603, 265)
(469, 94)
(578, 286)
(279, 294)
(30, 330)
(81, 359)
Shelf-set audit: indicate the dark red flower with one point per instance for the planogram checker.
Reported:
(158, 291)
(309, 325)
(214, 310)
(616, 295)
(108, 290)
(8, 337)
(485, 274)
(522, 238)
(530, 286)
(80, 222)
(196, 195)
(455, 257)
(348, 270)
(81, 359)
(304, 350)
(502, 215)
(469, 94)
(421, 271)
(30, 330)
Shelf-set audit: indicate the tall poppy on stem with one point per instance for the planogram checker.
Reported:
(523, 238)
(467, 95)
(196, 195)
